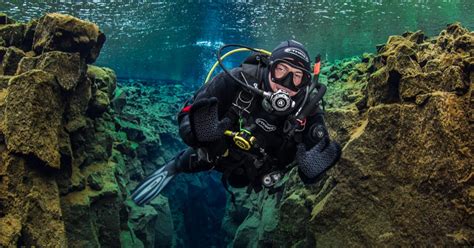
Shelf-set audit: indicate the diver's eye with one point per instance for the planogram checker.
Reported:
(280, 71)
(297, 79)
(281, 68)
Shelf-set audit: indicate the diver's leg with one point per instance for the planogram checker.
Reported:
(187, 161)
(194, 161)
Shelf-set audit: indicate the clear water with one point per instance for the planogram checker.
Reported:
(177, 40)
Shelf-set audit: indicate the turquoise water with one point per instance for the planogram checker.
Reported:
(177, 40)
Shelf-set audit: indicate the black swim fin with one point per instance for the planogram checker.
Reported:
(151, 187)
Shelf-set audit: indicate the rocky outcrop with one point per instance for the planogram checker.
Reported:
(405, 176)
(57, 32)
(32, 116)
(63, 180)
(10, 58)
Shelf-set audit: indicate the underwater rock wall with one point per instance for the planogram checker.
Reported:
(74, 145)
(405, 178)
(197, 200)
(67, 151)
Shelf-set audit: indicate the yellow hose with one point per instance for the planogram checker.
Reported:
(229, 53)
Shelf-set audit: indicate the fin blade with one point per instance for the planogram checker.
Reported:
(151, 187)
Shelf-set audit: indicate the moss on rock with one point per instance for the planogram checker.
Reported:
(62, 183)
(68, 34)
(12, 34)
(33, 116)
(403, 179)
(10, 61)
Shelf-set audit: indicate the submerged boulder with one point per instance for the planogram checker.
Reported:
(104, 83)
(152, 224)
(99, 104)
(10, 60)
(68, 34)
(12, 34)
(103, 78)
(15, 34)
(78, 104)
(68, 68)
(258, 227)
(33, 116)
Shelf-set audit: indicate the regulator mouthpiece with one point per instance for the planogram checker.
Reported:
(281, 101)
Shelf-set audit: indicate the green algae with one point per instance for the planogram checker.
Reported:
(319, 206)
(128, 239)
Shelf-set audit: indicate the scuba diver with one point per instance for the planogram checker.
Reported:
(251, 123)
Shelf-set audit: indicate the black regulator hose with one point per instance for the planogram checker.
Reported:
(313, 102)
(258, 91)
(315, 84)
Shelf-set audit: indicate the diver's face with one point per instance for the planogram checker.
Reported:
(281, 70)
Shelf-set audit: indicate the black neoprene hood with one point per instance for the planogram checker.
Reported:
(294, 50)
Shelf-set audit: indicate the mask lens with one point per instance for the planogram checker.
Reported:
(281, 71)
(297, 78)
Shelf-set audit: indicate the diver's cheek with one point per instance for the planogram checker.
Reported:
(273, 86)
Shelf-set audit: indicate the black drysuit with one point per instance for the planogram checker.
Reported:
(245, 168)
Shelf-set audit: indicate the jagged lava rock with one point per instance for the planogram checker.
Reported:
(68, 34)
(12, 34)
(68, 68)
(31, 214)
(78, 104)
(62, 182)
(33, 116)
(104, 79)
(10, 60)
(405, 176)
(103, 87)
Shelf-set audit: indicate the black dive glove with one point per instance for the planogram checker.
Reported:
(204, 120)
(318, 159)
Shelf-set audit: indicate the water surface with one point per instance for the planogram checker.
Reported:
(177, 40)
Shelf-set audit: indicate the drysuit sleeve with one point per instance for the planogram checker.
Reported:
(315, 133)
(315, 129)
(223, 88)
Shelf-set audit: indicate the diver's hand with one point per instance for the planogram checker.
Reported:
(319, 158)
(204, 120)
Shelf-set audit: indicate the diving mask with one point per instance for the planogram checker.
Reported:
(289, 75)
